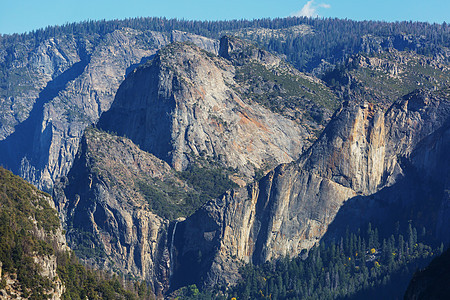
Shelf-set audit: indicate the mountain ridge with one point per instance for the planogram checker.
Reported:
(179, 158)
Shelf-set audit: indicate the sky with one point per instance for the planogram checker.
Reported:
(18, 16)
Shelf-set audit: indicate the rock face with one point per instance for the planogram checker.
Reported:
(361, 151)
(120, 205)
(184, 105)
(71, 83)
(108, 220)
(180, 109)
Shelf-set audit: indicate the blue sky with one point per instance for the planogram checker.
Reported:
(17, 16)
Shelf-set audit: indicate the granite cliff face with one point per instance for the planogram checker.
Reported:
(185, 104)
(70, 83)
(108, 220)
(181, 109)
(120, 205)
(362, 151)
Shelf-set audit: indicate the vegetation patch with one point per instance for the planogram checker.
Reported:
(23, 211)
(21, 205)
(279, 89)
(357, 266)
(385, 77)
(82, 283)
(168, 200)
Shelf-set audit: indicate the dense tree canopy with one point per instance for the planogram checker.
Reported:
(332, 39)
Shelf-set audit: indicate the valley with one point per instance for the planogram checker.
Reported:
(216, 162)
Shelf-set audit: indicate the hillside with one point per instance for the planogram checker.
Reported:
(35, 262)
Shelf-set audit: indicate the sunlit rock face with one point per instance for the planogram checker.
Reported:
(361, 152)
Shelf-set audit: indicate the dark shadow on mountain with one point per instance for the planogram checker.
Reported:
(433, 281)
(395, 288)
(134, 66)
(406, 200)
(419, 195)
(411, 198)
(23, 142)
(193, 254)
(142, 113)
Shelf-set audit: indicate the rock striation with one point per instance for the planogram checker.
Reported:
(362, 151)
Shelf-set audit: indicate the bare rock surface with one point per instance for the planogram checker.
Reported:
(359, 153)
(71, 82)
(108, 220)
(185, 104)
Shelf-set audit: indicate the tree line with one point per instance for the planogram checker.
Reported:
(332, 39)
(359, 265)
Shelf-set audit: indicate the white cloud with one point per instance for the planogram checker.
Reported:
(324, 5)
(310, 9)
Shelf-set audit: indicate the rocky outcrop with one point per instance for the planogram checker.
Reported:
(73, 81)
(109, 221)
(202, 42)
(255, 34)
(275, 84)
(359, 153)
(184, 105)
(384, 76)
